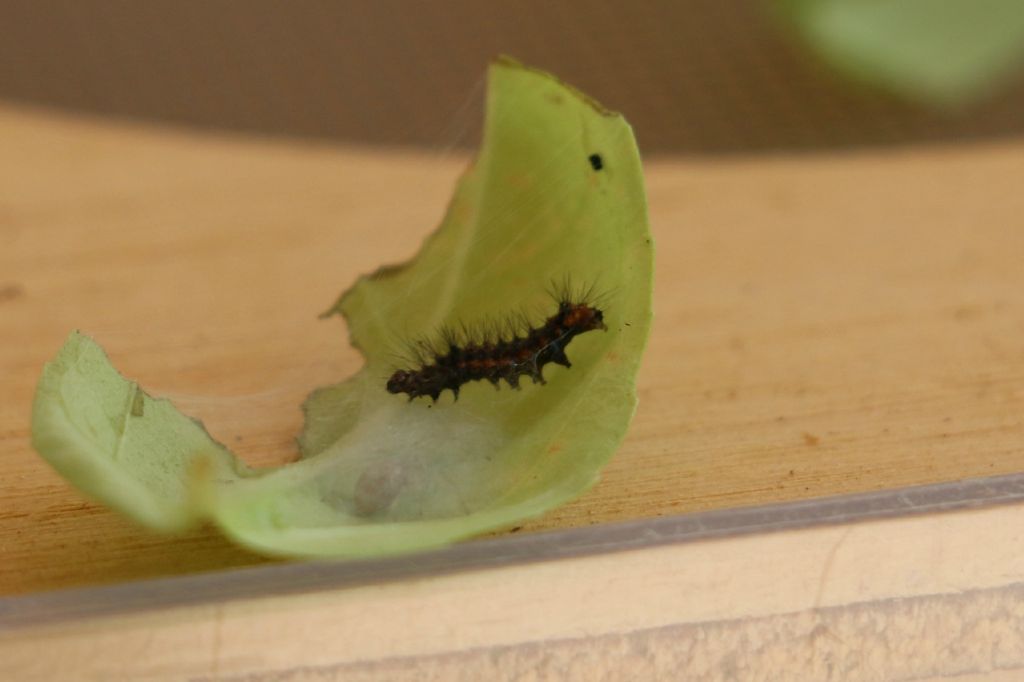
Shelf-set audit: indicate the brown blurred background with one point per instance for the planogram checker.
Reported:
(697, 76)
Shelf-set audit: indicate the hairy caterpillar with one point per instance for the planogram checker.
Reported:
(462, 360)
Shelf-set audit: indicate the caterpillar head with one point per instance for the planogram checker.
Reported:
(581, 317)
(402, 381)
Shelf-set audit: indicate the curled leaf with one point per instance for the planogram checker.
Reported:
(556, 192)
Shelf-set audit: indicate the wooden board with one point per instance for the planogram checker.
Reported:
(824, 324)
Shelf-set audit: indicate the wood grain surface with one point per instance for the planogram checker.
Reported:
(824, 324)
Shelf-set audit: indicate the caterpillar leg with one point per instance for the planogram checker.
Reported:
(537, 374)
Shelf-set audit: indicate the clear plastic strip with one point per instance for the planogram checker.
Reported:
(306, 577)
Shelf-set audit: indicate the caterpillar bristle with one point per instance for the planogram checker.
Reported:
(500, 349)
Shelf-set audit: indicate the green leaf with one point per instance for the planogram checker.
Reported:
(943, 52)
(381, 474)
(137, 454)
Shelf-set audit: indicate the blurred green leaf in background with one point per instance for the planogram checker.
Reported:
(944, 53)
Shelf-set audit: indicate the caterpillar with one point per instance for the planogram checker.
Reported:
(463, 360)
